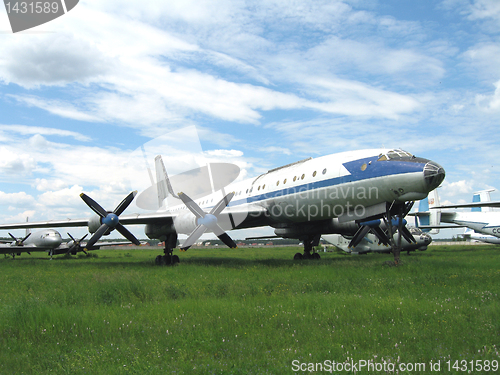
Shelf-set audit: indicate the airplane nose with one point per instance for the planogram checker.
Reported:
(433, 175)
(426, 238)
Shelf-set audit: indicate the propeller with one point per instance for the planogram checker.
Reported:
(206, 221)
(369, 226)
(76, 244)
(375, 227)
(18, 242)
(110, 220)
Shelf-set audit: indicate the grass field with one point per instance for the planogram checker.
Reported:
(250, 311)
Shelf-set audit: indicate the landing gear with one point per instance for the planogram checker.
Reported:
(168, 259)
(309, 243)
(401, 211)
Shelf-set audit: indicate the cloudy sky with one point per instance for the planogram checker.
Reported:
(265, 83)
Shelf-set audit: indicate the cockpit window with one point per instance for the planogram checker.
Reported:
(394, 155)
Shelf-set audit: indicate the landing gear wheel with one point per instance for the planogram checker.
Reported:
(298, 256)
(159, 260)
(175, 259)
(168, 259)
(315, 256)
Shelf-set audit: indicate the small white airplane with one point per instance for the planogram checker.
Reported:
(371, 244)
(48, 240)
(481, 219)
(479, 237)
(336, 193)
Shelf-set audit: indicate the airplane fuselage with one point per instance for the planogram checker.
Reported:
(347, 186)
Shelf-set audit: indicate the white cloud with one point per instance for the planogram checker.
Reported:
(456, 188)
(20, 199)
(14, 162)
(28, 130)
(490, 102)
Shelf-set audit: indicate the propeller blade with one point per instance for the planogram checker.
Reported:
(126, 233)
(407, 235)
(18, 242)
(210, 221)
(192, 206)
(217, 209)
(125, 203)
(359, 235)
(94, 205)
(381, 235)
(97, 235)
(193, 237)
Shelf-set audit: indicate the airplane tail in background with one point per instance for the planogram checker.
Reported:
(482, 196)
(426, 215)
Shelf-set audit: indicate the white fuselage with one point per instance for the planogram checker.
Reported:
(344, 186)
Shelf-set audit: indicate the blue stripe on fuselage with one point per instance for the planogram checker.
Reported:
(375, 169)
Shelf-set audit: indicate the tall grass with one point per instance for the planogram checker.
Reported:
(245, 311)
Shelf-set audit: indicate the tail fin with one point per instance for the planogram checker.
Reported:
(435, 214)
(163, 182)
(428, 216)
(482, 196)
(28, 230)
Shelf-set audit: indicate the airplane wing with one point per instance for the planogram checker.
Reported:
(470, 205)
(441, 226)
(7, 249)
(124, 219)
(254, 213)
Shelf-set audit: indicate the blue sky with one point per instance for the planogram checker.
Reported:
(265, 83)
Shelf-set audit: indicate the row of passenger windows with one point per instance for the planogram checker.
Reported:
(262, 187)
(295, 178)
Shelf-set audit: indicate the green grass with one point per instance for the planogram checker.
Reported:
(246, 311)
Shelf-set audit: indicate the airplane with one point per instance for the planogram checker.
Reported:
(338, 193)
(479, 237)
(370, 243)
(482, 219)
(48, 240)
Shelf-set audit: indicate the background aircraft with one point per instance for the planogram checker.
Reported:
(481, 219)
(339, 193)
(49, 240)
(371, 244)
(469, 234)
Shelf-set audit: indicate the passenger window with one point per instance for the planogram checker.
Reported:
(314, 174)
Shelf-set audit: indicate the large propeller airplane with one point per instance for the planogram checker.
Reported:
(343, 193)
(49, 240)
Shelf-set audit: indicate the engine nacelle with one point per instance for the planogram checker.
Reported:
(185, 223)
(331, 226)
(94, 223)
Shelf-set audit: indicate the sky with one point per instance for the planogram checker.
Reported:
(264, 83)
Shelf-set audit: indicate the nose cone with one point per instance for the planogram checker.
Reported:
(425, 238)
(433, 175)
(53, 240)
